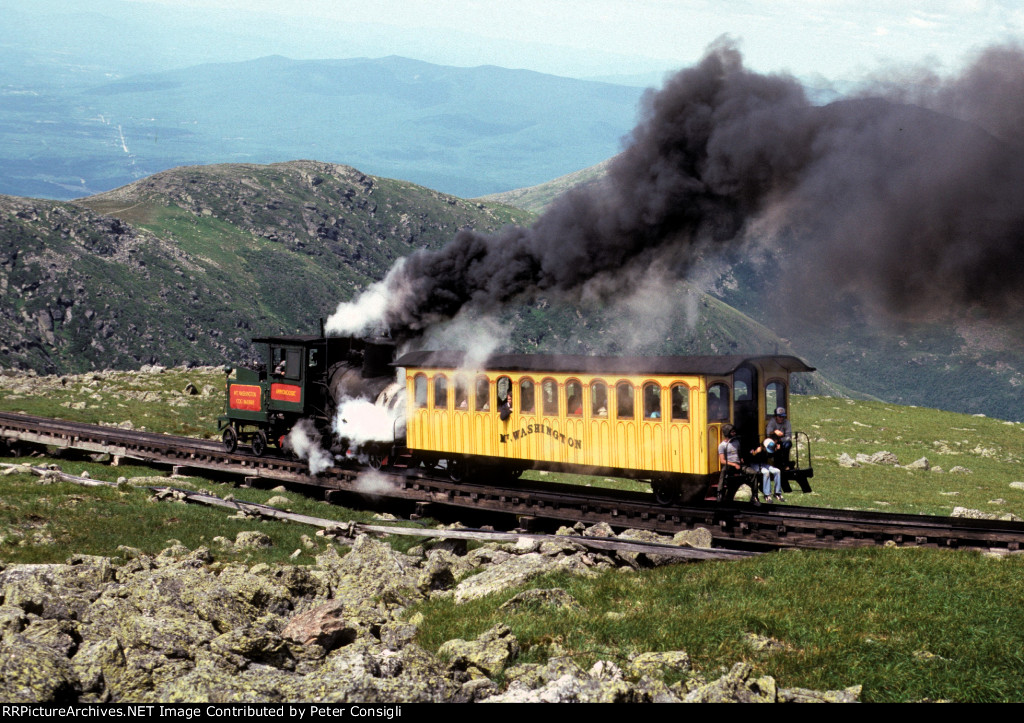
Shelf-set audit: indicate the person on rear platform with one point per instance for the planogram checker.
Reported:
(780, 432)
(730, 459)
(770, 474)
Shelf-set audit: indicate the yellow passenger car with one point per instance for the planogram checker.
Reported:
(649, 418)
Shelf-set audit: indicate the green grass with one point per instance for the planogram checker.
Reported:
(991, 449)
(50, 522)
(154, 402)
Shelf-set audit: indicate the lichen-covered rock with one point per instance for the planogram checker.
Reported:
(516, 570)
(887, 458)
(252, 539)
(603, 683)
(644, 559)
(31, 672)
(657, 664)
(257, 644)
(697, 537)
(439, 572)
(325, 625)
(762, 643)
(179, 627)
(99, 665)
(601, 529)
(371, 571)
(396, 635)
(846, 460)
(490, 653)
(58, 635)
(361, 674)
(971, 514)
(802, 695)
(55, 591)
(543, 597)
(736, 686)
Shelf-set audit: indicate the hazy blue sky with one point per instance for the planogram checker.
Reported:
(838, 39)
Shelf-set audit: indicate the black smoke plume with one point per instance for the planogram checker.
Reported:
(912, 200)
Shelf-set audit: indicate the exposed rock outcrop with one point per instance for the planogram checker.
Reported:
(179, 627)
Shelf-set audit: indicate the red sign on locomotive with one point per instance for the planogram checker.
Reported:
(245, 397)
(286, 393)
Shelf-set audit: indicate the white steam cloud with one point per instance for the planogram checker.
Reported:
(368, 310)
(363, 422)
(374, 483)
(478, 336)
(305, 441)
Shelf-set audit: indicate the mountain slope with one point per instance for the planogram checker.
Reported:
(188, 265)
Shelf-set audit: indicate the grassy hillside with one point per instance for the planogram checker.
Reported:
(537, 198)
(187, 265)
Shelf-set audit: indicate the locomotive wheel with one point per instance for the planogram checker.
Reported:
(377, 461)
(230, 439)
(457, 470)
(664, 492)
(259, 443)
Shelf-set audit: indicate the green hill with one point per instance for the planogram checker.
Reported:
(187, 265)
(536, 198)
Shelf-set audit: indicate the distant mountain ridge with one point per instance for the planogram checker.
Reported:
(465, 131)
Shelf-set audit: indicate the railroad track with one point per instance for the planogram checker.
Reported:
(742, 526)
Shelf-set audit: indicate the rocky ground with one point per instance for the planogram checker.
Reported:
(179, 627)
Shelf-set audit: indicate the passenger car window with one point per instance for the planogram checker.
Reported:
(526, 401)
(440, 392)
(574, 398)
(549, 397)
(483, 393)
(599, 399)
(774, 396)
(718, 403)
(504, 388)
(624, 400)
(680, 403)
(461, 393)
(420, 391)
(652, 401)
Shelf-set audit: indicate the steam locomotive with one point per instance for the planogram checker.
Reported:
(656, 419)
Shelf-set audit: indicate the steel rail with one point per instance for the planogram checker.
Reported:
(734, 525)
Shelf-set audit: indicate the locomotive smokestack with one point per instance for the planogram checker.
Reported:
(903, 206)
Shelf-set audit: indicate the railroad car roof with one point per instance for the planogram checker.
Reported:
(296, 339)
(713, 365)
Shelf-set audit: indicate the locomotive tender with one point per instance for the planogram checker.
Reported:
(657, 419)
